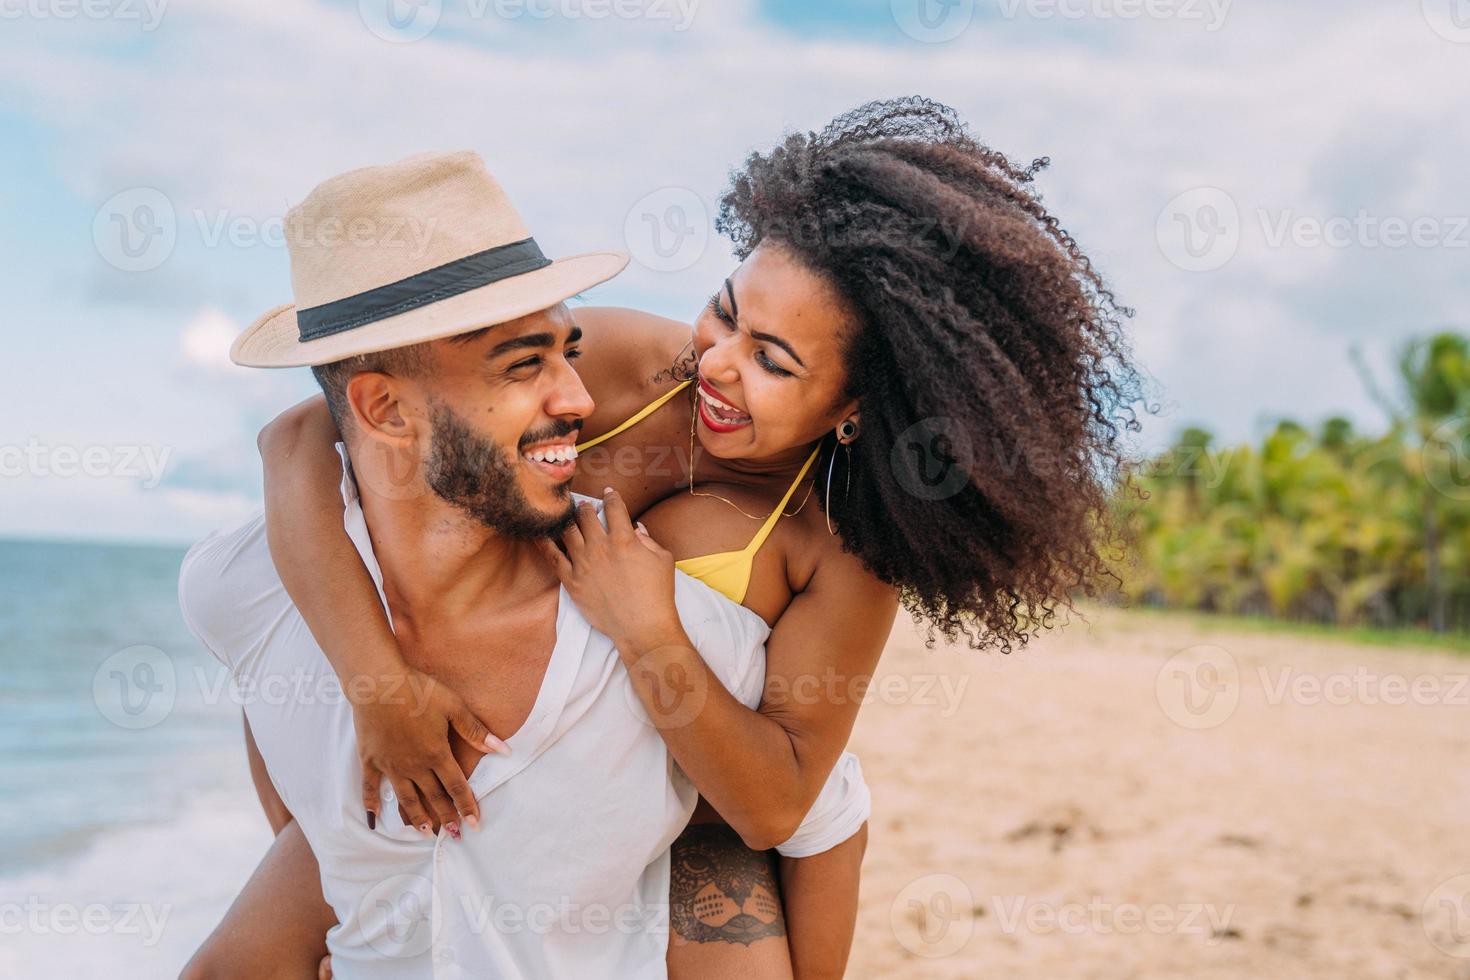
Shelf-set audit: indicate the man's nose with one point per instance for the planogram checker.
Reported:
(570, 397)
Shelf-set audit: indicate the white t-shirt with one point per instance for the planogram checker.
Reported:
(568, 875)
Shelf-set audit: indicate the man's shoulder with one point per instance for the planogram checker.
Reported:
(227, 583)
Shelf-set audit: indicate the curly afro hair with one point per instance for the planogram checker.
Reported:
(986, 356)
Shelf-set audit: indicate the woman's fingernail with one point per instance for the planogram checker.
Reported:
(496, 745)
(607, 490)
(426, 829)
(372, 820)
(453, 829)
(472, 821)
(641, 528)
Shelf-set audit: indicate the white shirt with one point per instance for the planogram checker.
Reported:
(568, 875)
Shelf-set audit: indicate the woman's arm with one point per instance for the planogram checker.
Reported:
(404, 738)
(761, 770)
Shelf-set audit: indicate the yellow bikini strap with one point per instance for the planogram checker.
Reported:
(643, 414)
(770, 523)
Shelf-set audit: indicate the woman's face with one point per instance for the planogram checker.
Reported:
(769, 344)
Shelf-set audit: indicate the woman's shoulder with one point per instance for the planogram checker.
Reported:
(626, 356)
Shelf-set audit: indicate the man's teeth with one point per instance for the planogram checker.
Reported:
(553, 454)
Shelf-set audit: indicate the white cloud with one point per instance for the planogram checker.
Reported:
(206, 339)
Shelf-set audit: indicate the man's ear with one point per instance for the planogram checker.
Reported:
(377, 409)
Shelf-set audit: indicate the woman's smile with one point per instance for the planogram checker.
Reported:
(718, 414)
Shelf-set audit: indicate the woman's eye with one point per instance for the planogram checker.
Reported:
(719, 311)
(770, 365)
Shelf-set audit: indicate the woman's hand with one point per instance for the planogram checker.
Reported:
(621, 579)
(403, 729)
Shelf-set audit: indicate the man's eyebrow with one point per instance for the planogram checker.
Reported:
(525, 340)
(530, 340)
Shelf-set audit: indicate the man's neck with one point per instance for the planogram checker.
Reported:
(437, 561)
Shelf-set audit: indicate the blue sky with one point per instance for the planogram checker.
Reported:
(1313, 136)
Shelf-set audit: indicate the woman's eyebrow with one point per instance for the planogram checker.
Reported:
(773, 339)
(734, 310)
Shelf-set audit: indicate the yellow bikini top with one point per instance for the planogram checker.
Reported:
(728, 571)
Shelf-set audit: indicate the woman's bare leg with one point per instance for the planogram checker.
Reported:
(277, 927)
(820, 895)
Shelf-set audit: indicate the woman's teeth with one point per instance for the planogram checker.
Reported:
(723, 411)
(553, 454)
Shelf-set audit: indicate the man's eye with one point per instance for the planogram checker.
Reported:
(573, 354)
(528, 362)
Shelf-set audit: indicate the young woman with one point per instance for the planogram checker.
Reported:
(910, 392)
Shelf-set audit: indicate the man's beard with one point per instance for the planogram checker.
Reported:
(472, 473)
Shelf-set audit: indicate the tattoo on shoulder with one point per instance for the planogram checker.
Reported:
(721, 890)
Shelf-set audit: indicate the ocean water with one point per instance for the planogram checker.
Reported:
(130, 819)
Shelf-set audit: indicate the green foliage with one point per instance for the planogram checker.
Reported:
(1331, 526)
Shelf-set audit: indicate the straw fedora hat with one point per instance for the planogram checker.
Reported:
(417, 250)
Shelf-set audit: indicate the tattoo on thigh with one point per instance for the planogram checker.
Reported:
(721, 890)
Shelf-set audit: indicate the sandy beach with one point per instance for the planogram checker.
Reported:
(1139, 798)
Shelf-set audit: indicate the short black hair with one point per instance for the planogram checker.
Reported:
(412, 361)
